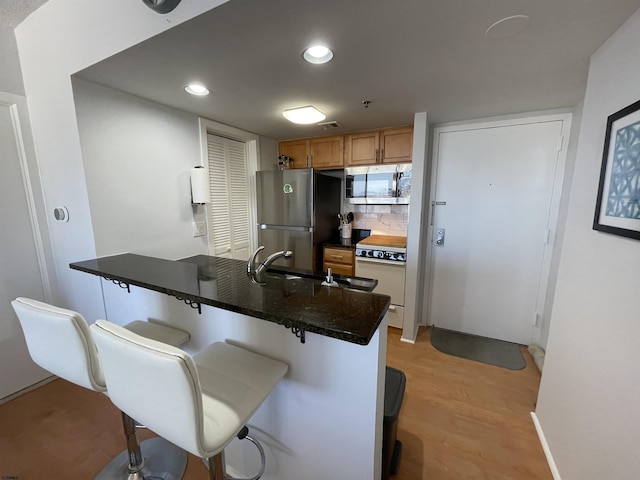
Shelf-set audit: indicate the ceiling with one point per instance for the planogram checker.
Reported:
(404, 56)
(13, 12)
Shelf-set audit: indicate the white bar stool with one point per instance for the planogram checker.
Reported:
(60, 341)
(200, 403)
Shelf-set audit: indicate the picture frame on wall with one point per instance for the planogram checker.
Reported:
(618, 204)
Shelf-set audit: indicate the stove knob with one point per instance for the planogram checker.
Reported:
(370, 253)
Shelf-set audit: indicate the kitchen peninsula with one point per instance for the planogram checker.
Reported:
(328, 410)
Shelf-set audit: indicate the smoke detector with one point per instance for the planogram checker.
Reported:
(161, 6)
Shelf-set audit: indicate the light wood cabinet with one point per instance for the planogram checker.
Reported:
(391, 145)
(339, 260)
(362, 148)
(327, 152)
(396, 145)
(298, 151)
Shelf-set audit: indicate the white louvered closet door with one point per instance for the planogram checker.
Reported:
(229, 209)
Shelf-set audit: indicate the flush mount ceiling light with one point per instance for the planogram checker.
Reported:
(317, 54)
(508, 27)
(304, 115)
(196, 89)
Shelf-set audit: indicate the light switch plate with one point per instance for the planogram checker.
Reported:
(199, 229)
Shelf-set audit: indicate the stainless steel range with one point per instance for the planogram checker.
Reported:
(384, 258)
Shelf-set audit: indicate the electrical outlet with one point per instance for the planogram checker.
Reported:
(198, 229)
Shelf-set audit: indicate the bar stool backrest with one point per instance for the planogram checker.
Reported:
(59, 341)
(168, 397)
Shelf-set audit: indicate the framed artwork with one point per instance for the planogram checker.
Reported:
(618, 205)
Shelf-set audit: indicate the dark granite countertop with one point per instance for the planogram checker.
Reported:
(341, 243)
(356, 236)
(301, 304)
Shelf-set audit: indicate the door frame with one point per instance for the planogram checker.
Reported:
(19, 112)
(252, 149)
(33, 192)
(551, 241)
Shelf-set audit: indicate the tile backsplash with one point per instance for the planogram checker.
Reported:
(389, 219)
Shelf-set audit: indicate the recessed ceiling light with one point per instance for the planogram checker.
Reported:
(317, 54)
(304, 115)
(196, 89)
(508, 27)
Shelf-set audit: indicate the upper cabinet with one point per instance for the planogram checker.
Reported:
(396, 145)
(296, 150)
(327, 152)
(391, 145)
(362, 148)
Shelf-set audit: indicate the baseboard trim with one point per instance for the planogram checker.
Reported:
(27, 389)
(545, 446)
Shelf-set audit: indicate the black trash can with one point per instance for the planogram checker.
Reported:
(391, 446)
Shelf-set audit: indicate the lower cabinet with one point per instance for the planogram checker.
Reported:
(339, 260)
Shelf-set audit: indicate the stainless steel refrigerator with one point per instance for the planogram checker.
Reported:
(297, 211)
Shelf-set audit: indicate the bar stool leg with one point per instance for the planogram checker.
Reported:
(216, 467)
(136, 462)
(162, 459)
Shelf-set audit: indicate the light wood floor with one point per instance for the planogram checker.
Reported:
(465, 420)
(460, 420)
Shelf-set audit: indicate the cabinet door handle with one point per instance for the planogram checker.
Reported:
(337, 256)
(381, 155)
(377, 155)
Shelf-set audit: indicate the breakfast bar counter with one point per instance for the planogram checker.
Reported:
(325, 417)
(292, 298)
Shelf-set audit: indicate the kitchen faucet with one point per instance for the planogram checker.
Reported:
(256, 272)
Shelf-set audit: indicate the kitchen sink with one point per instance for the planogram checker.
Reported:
(343, 281)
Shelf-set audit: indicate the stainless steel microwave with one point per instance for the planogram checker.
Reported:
(378, 184)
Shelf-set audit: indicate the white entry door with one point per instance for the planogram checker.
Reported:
(494, 187)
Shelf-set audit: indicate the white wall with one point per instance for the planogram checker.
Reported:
(22, 258)
(268, 154)
(137, 157)
(418, 243)
(588, 400)
(10, 74)
(61, 38)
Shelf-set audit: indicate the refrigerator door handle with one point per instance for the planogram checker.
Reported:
(264, 226)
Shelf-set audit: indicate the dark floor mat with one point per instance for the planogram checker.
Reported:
(481, 349)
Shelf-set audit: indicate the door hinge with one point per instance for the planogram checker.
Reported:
(560, 142)
(547, 237)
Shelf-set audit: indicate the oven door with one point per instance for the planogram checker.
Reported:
(390, 276)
